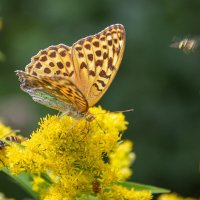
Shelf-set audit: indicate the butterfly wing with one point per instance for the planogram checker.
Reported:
(96, 60)
(59, 76)
(56, 92)
(54, 60)
(49, 79)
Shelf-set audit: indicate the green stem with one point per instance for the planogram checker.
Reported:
(24, 181)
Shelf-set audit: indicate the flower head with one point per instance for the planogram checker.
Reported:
(173, 196)
(7, 135)
(78, 156)
(118, 193)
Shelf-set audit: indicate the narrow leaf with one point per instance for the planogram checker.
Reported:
(24, 180)
(138, 186)
(87, 197)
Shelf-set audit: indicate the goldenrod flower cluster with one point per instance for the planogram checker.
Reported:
(4, 132)
(174, 196)
(75, 159)
(120, 193)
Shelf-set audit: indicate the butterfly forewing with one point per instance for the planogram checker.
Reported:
(96, 60)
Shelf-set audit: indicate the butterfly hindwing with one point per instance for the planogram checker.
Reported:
(44, 88)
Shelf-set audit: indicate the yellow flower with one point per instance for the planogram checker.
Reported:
(120, 193)
(5, 132)
(56, 193)
(80, 157)
(173, 196)
(122, 158)
(38, 184)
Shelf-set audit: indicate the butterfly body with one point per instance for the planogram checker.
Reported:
(73, 79)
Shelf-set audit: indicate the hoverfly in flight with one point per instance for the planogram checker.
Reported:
(187, 44)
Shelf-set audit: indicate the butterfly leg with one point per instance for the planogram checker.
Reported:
(100, 126)
(87, 128)
(2, 162)
(59, 114)
(70, 130)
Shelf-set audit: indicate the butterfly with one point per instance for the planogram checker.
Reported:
(73, 79)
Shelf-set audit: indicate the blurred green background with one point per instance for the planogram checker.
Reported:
(161, 84)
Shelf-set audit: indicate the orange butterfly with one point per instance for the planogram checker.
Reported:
(73, 79)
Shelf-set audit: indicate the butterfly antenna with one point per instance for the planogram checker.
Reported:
(118, 111)
(124, 111)
(100, 126)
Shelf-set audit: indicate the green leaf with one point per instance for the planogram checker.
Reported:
(87, 197)
(24, 180)
(47, 178)
(2, 57)
(137, 186)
